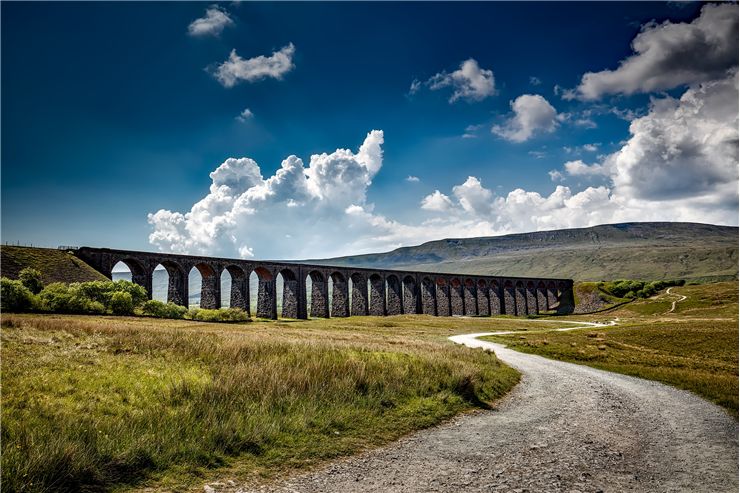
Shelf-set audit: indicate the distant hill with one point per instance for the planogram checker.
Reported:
(54, 265)
(691, 251)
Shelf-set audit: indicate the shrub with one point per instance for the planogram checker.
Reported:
(31, 279)
(121, 303)
(154, 308)
(222, 315)
(60, 298)
(102, 291)
(15, 297)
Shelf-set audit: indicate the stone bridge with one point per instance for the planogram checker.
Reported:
(355, 291)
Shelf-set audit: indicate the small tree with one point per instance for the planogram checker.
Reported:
(121, 303)
(15, 297)
(31, 279)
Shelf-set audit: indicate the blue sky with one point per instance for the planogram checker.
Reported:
(507, 117)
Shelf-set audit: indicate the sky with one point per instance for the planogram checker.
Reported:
(307, 130)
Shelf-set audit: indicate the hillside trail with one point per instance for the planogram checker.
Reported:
(564, 428)
(673, 305)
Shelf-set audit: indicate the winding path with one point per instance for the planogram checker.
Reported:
(565, 427)
(673, 305)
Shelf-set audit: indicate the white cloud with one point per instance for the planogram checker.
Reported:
(246, 214)
(237, 69)
(538, 154)
(412, 179)
(470, 82)
(532, 114)
(683, 148)
(670, 55)
(415, 86)
(436, 201)
(535, 81)
(579, 168)
(212, 24)
(473, 197)
(591, 147)
(556, 175)
(245, 115)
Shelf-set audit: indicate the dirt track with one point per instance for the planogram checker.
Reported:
(564, 428)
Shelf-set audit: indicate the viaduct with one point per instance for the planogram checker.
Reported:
(373, 291)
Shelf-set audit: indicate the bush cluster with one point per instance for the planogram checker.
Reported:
(222, 315)
(28, 294)
(631, 289)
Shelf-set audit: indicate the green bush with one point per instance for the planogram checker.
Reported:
(154, 308)
(102, 291)
(221, 315)
(121, 303)
(31, 279)
(625, 288)
(58, 297)
(15, 297)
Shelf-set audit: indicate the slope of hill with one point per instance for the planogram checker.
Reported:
(689, 251)
(54, 265)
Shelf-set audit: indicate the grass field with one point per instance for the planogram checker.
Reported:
(100, 403)
(694, 348)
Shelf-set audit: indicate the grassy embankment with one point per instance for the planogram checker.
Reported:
(54, 265)
(95, 403)
(694, 348)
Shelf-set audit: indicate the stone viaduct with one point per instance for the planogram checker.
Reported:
(373, 291)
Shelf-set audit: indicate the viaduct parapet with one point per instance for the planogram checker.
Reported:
(355, 291)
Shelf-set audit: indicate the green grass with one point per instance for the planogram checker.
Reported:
(98, 403)
(695, 348)
(54, 265)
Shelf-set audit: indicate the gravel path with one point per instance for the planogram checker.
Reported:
(566, 428)
(673, 305)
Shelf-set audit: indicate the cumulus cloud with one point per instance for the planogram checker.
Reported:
(212, 24)
(579, 168)
(245, 115)
(436, 201)
(469, 82)
(556, 175)
(670, 55)
(412, 179)
(531, 114)
(237, 69)
(683, 147)
(243, 209)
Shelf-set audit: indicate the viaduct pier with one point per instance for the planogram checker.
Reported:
(355, 291)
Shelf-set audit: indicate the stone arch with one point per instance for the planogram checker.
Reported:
(266, 293)
(177, 282)
(496, 298)
(509, 305)
(457, 300)
(552, 295)
(358, 298)
(339, 295)
(234, 287)
(319, 294)
(377, 304)
(442, 291)
(139, 272)
(393, 295)
(210, 285)
(484, 307)
(521, 298)
(290, 302)
(531, 296)
(542, 304)
(428, 298)
(410, 295)
(470, 298)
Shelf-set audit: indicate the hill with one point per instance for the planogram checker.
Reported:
(699, 252)
(54, 265)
